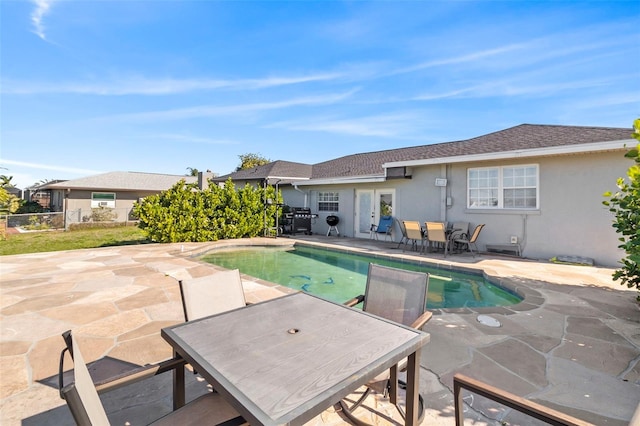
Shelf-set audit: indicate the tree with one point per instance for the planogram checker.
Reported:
(192, 171)
(625, 205)
(249, 161)
(41, 182)
(5, 181)
(9, 203)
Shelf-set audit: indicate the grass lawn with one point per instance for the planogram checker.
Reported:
(34, 242)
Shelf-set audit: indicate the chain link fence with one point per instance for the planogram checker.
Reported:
(100, 215)
(35, 221)
(71, 219)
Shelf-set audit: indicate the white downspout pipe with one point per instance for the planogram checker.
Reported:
(306, 195)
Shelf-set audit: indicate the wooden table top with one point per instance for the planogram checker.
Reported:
(286, 360)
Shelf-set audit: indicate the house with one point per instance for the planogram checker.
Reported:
(116, 191)
(282, 174)
(37, 194)
(538, 186)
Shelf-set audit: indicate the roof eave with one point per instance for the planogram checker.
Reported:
(520, 153)
(342, 180)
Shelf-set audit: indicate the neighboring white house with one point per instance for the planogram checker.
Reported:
(539, 185)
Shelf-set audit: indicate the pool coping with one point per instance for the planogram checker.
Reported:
(531, 299)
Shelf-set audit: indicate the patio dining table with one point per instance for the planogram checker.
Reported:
(286, 360)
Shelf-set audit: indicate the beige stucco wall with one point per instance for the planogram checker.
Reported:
(79, 203)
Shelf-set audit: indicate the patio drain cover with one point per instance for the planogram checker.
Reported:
(488, 321)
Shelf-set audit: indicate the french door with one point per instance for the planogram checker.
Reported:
(370, 205)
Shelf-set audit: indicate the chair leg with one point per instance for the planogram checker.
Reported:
(349, 411)
(401, 241)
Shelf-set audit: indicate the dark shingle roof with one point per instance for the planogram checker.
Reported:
(524, 136)
(275, 169)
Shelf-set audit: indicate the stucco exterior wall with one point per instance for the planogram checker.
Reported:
(345, 211)
(571, 219)
(79, 203)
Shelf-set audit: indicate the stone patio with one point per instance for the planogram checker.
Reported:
(573, 344)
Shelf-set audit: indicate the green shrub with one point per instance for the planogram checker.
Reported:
(98, 225)
(101, 214)
(625, 205)
(37, 223)
(29, 207)
(186, 213)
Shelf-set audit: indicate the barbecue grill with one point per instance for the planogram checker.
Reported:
(300, 219)
(332, 221)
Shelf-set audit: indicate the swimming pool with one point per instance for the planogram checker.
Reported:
(339, 276)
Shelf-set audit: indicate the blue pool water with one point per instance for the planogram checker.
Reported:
(339, 276)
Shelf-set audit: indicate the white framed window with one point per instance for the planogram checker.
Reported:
(328, 201)
(505, 187)
(103, 199)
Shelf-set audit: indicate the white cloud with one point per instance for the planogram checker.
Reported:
(169, 86)
(38, 166)
(192, 139)
(471, 57)
(37, 16)
(400, 125)
(210, 111)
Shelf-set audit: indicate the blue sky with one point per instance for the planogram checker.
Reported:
(160, 86)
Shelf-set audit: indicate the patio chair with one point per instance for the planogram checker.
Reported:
(384, 227)
(212, 294)
(397, 295)
(470, 242)
(502, 398)
(456, 231)
(414, 234)
(459, 228)
(436, 233)
(86, 408)
(403, 230)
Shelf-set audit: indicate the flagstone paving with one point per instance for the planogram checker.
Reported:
(573, 344)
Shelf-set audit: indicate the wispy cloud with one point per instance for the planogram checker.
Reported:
(39, 166)
(211, 111)
(168, 86)
(398, 125)
(192, 139)
(471, 57)
(524, 85)
(37, 16)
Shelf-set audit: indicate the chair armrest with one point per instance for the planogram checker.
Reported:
(106, 375)
(138, 374)
(354, 301)
(422, 320)
(61, 384)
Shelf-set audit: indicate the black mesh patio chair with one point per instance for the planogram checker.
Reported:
(470, 242)
(397, 295)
